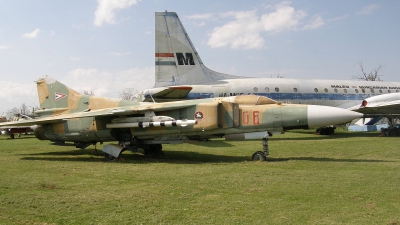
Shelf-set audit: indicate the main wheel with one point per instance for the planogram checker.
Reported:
(259, 156)
(110, 158)
(154, 150)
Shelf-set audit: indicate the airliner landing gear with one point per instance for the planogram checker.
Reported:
(259, 155)
(326, 130)
(392, 130)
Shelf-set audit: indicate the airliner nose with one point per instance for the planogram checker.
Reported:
(319, 116)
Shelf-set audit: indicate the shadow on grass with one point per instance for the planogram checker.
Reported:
(62, 144)
(173, 157)
(341, 135)
(324, 159)
(211, 143)
(16, 138)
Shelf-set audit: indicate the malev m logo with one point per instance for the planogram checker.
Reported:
(185, 61)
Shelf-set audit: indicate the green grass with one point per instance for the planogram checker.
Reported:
(347, 178)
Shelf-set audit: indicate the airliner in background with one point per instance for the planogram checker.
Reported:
(180, 74)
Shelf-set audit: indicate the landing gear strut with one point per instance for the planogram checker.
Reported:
(262, 155)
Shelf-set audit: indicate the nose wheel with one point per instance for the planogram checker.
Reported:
(262, 155)
(259, 156)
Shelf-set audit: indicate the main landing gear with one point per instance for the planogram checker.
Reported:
(111, 158)
(262, 155)
(154, 150)
(113, 152)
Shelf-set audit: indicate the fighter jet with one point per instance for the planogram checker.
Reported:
(12, 130)
(68, 116)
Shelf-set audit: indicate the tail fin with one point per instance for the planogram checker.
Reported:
(56, 98)
(177, 61)
(53, 94)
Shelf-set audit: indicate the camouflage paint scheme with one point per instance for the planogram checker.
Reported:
(67, 115)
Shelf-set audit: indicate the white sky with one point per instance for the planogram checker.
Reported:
(108, 45)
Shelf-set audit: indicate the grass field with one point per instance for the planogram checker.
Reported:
(347, 178)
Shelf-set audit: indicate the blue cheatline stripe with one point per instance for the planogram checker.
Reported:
(165, 63)
(292, 96)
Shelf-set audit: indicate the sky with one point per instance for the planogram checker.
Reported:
(105, 46)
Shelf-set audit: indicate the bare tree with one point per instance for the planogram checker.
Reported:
(371, 76)
(88, 92)
(23, 110)
(128, 94)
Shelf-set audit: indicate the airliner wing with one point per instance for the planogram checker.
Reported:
(386, 104)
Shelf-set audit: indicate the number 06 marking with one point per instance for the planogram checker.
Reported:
(246, 118)
(256, 117)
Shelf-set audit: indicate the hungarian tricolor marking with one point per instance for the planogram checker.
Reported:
(59, 96)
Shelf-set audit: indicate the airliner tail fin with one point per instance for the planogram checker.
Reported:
(176, 60)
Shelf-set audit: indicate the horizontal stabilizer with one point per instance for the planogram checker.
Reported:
(388, 104)
(170, 93)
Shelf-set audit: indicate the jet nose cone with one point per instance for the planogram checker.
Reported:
(319, 116)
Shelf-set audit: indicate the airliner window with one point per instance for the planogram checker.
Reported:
(267, 89)
(389, 91)
(335, 90)
(315, 90)
(255, 89)
(372, 91)
(277, 89)
(326, 90)
(345, 90)
(363, 91)
(295, 89)
(397, 90)
(356, 90)
(380, 91)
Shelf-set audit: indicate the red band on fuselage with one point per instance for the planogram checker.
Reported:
(164, 54)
